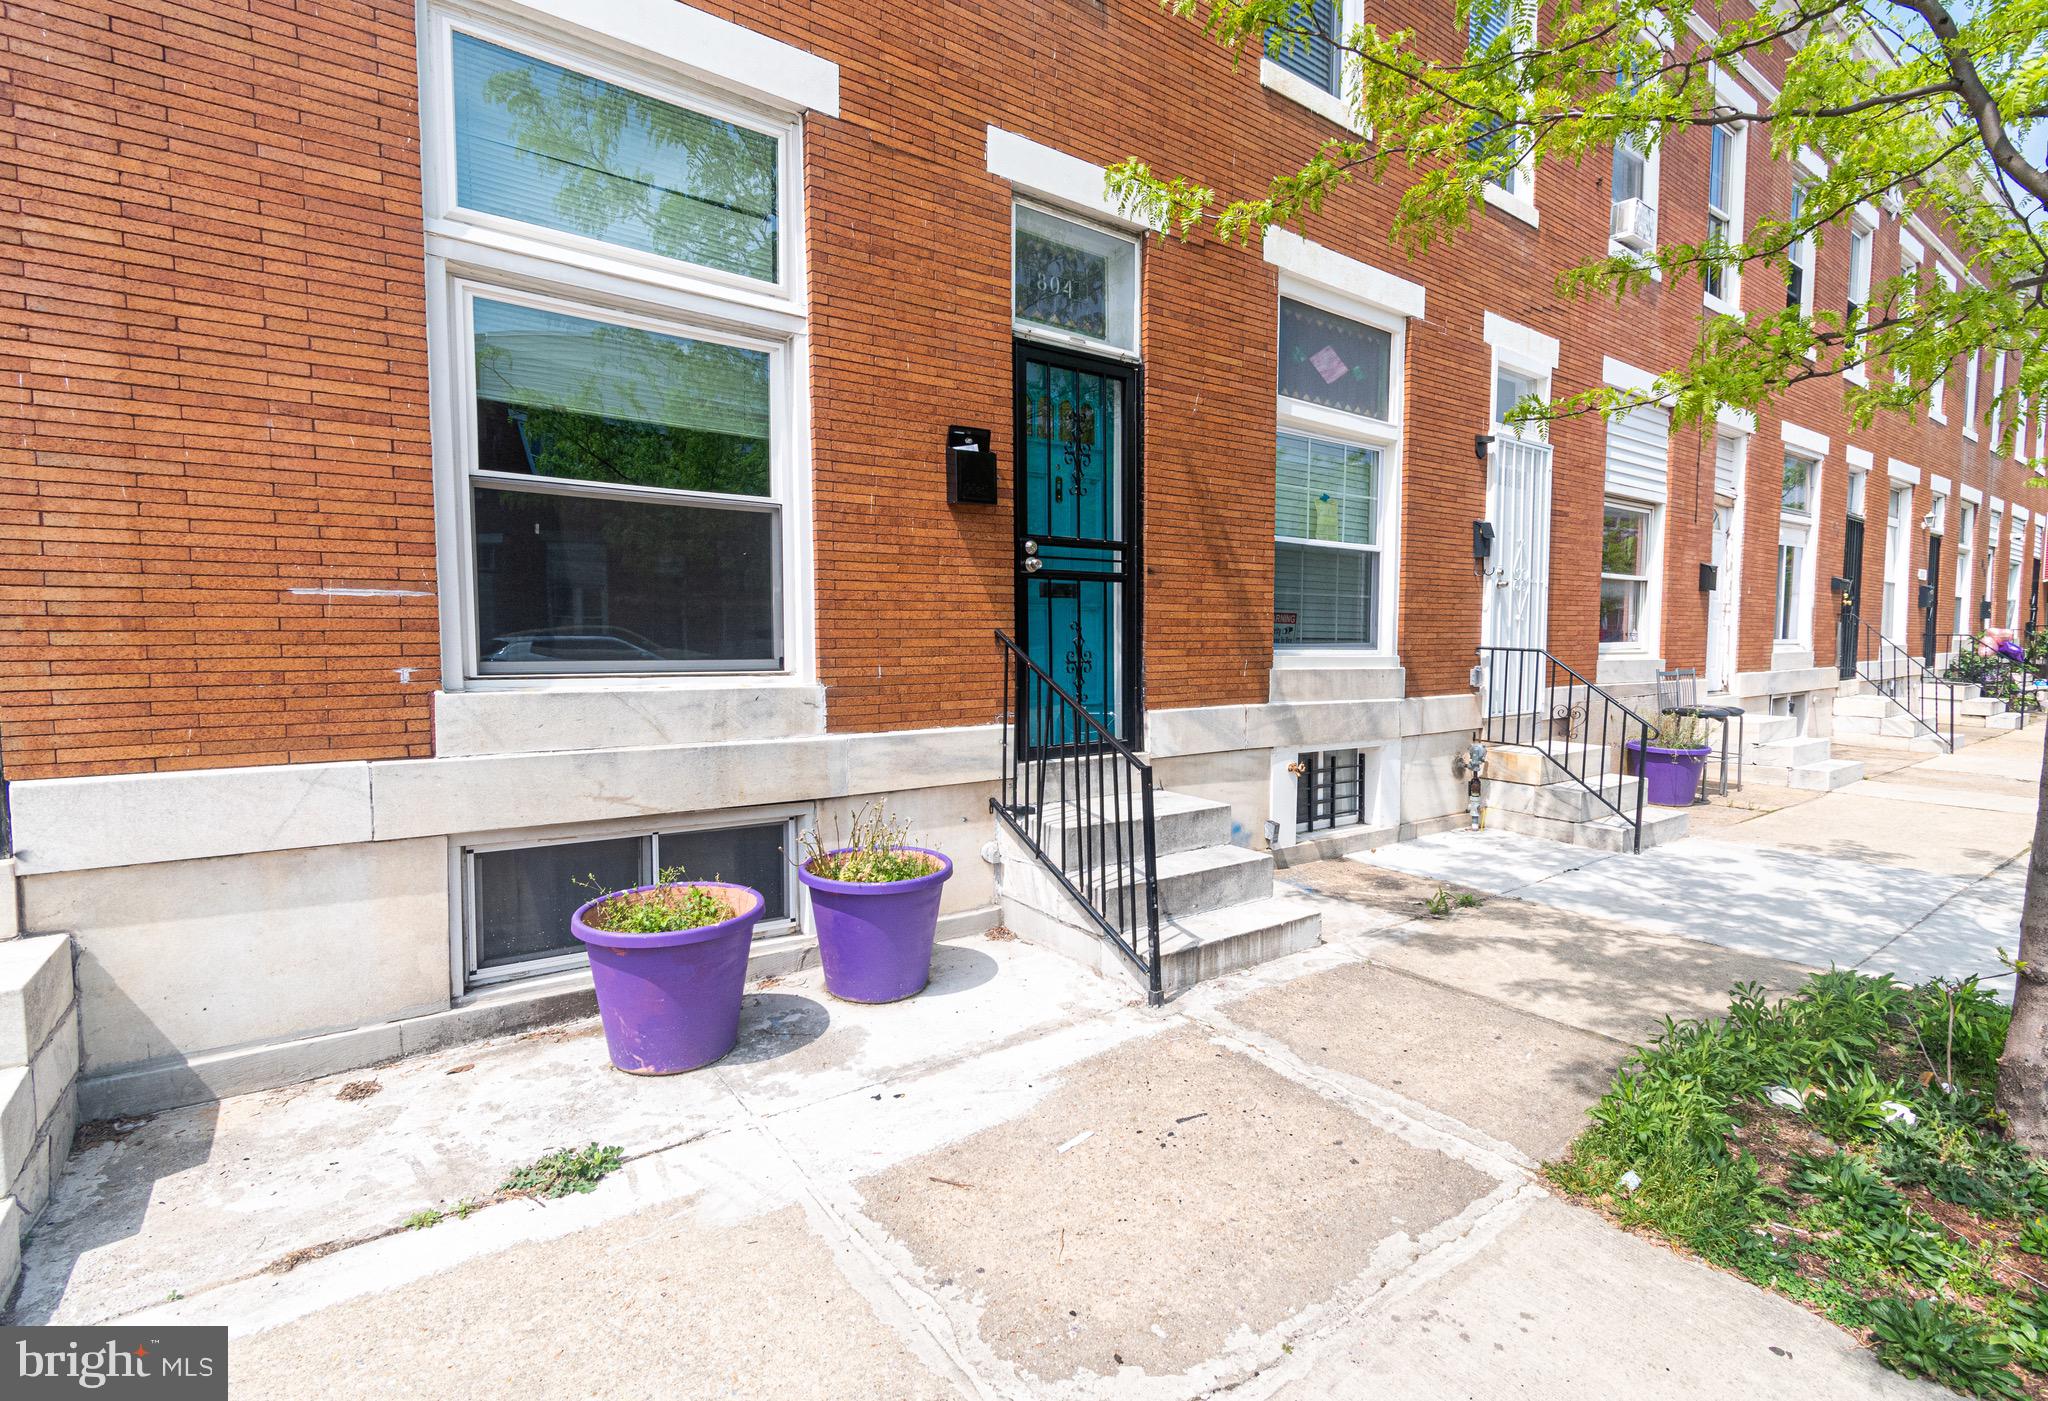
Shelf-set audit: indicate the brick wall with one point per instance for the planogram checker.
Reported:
(215, 387)
(216, 375)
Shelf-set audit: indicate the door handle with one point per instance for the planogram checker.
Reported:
(1033, 564)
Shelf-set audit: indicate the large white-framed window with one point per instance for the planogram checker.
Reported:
(1727, 164)
(1628, 575)
(519, 888)
(1856, 304)
(1513, 188)
(1993, 537)
(1799, 257)
(1966, 557)
(1798, 492)
(1073, 283)
(2016, 554)
(1994, 417)
(1311, 69)
(1937, 392)
(1970, 394)
(617, 339)
(1898, 518)
(1336, 465)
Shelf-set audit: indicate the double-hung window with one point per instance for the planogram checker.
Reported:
(1799, 258)
(1937, 392)
(1335, 455)
(1857, 302)
(1510, 167)
(1966, 538)
(1724, 176)
(1971, 370)
(1794, 611)
(615, 403)
(2016, 551)
(1997, 395)
(1625, 555)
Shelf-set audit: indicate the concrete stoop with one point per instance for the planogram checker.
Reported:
(1775, 753)
(1523, 791)
(39, 1055)
(1217, 909)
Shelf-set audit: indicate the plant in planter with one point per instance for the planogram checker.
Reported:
(669, 962)
(1670, 765)
(875, 906)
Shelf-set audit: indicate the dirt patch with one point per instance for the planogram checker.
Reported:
(358, 1089)
(100, 1131)
(305, 1254)
(1000, 935)
(466, 1066)
(553, 1035)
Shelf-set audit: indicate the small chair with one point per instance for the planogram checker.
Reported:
(1678, 693)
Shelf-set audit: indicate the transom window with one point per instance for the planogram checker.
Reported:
(1796, 496)
(520, 897)
(545, 144)
(1074, 281)
(620, 497)
(1624, 571)
(1334, 361)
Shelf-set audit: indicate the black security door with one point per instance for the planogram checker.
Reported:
(1852, 598)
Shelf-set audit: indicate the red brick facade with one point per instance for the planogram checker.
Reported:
(215, 370)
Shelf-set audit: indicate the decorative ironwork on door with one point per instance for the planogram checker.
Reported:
(1076, 542)
(1516, 608)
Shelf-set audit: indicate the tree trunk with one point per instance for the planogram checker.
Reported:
(2023, 1068)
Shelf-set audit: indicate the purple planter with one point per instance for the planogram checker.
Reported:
(1672, 776)
(671, 1002)
(875, 939)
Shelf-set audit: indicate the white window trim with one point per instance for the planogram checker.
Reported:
(1334, 107)
(1653, 169)
(450, 225)
(1970, 395)
(466, 977)
(1803, 441)
(1368, 290)
(1526, 352)
(1863, 227)
(1972, 494)
(1295, 415)
(1649, 628)
(1521, 202)
(1379, 796)
(1056, 178)
(1732, 95)
(1802, 525)
(1808, 261)
(1997, 403)
(583, 277)
(1937, 392)
(1901, 471)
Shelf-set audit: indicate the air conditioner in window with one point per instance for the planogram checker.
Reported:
(1635, 224)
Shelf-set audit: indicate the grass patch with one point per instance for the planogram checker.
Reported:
(1842, 1148)
(564, 1171)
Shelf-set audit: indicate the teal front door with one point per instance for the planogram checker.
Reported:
(1077, 542)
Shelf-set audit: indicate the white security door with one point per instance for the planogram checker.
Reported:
(1516, 607)
(1721, 604)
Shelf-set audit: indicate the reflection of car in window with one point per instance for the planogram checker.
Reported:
(598, 644)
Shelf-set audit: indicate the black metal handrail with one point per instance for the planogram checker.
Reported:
(1530, 698)
(1904, 680)
(2008, 679)
(1070, 786)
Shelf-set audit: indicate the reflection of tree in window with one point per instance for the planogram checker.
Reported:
(559, 396)
(550, 146)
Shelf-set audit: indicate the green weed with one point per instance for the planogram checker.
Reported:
(565, 1171)
(1927, 1338)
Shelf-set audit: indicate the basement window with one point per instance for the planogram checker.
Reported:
(518, 897)
(1329, 789)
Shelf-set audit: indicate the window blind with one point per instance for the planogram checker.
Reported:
(1638, 448)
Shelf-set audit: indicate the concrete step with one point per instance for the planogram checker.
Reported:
(1762, 728)
(1893, 721)
(1516, 763)
(1180, 822)
(1566, 801)
(1190, 882)
(1789, 753)
(1980, 706)
(1191, 947)
(1610, 833)
(1823, 777)
(1335, 842)
(2007, 720)
(1918, 741)
(1868, 704)
(1208, 945)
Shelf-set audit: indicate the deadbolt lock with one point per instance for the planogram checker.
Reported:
(1033, 565)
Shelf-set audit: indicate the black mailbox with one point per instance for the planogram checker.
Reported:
(1926, 597)
(1710, 577)
(970, 467)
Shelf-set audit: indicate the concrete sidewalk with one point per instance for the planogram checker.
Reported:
(1312, 1179)
(1919, 874)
